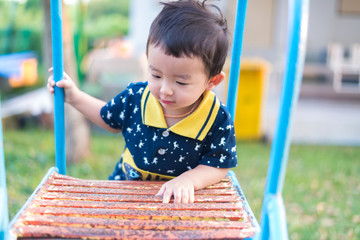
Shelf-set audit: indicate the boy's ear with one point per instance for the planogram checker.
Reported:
(215, 80)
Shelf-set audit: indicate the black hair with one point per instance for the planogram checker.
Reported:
(190, 28)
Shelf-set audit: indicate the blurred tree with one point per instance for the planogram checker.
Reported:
(77, 128)
(99, 8)
(106, 19)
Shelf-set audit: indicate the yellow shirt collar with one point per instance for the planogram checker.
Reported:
(195, 126)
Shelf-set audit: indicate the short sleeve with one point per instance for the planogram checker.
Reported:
(114, 112)
(220, 144)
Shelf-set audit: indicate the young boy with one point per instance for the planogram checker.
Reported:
(174, 127)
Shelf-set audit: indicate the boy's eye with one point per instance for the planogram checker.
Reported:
(155, 76)
(181, 83)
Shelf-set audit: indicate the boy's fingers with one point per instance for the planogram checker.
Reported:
(161, 191)
(185, 196)
(63, 84)
(51, 69)
(191, 195)
(177, 196)
(166, 197)
(51, 89)
(60, 83)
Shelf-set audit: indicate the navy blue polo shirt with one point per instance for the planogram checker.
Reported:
(154, 151)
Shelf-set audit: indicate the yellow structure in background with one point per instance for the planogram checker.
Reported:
(28, 74)
(250, 99)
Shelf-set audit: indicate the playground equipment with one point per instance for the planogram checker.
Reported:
(18, 69)
(273, 223)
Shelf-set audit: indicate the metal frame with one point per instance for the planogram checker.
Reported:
(273, 216)
(58, 65)
(32, 196)
(236, 56)
(4, 214)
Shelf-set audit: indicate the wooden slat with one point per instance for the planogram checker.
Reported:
(87, 222)
(138, 214)
(122, 184)
(67, 207)
(140, 206)
(105, 233)
(131, 198)
(117, 191)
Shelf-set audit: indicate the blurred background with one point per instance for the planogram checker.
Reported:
(104, 45)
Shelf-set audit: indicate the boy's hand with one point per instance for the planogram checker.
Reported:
(67, 83)
(183, 186)
(180, 187)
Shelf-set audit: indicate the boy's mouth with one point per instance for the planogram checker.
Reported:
(166, 102)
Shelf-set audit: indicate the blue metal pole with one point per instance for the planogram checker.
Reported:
(59, 116)
(4, 212)
(236, 57)
(297, 33)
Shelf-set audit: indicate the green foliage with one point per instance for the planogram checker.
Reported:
(99, 8)
(113, 25)
(29, 16)
(21, 26)
(106, 19)
(321, 189)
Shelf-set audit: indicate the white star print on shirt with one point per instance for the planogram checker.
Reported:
(212, 146)
(222, 158)
(181, 158)
(129, 130)
(112, 102)
(122, 115)
(140, 91)
(222, 142)
(146, 161)
(176, 145)
(136, 109)
(138, 128)
(155, 160)
(233, 149)
(141, 144)
(109, 115)
(229, 127)
(197, 147)
(155, 137)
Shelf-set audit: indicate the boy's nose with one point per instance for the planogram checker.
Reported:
(166, 89)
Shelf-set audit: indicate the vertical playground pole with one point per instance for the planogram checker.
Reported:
(4, 213)
(273, 217)
(236, 56)
(58, 65)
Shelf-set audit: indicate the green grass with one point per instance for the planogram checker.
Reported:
(321, 191)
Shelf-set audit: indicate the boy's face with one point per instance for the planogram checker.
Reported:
(177, 83)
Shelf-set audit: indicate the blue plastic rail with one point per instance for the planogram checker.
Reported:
(236, 57)
(58, 65)
(273, 217)
(4, 215)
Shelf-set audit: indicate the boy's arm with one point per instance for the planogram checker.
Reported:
(89, 106)
(183, 186)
